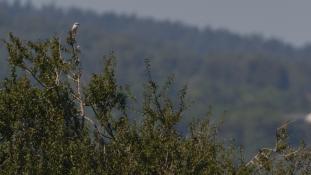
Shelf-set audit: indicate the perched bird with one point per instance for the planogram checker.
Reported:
(74, 29)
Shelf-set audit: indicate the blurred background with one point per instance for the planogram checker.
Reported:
(246, 61)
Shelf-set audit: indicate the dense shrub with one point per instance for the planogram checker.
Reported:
(51, 124)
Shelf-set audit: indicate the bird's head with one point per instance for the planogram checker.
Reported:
(76, 24)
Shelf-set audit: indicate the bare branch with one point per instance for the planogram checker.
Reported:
(34, 76)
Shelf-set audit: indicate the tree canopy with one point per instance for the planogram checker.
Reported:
(259, 82)
(50, 123)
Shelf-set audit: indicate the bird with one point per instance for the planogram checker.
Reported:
(74, 29)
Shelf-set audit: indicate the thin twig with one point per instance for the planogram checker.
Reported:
(108, 129)
(34, 76)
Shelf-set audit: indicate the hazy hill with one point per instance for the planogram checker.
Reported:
(256, 80)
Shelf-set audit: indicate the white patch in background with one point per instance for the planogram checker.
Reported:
(308, 118)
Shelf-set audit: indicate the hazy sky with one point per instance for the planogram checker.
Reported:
(285, 19)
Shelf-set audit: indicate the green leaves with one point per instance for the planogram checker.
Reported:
(103, 93)
(51, 124)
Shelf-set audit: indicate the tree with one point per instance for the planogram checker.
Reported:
(51, 124)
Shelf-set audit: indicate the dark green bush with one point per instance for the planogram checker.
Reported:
(51, 124)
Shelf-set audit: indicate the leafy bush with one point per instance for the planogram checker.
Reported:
(51, 124)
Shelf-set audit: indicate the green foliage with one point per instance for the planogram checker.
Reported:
(51, 124)
(45, 131)
(259, 81)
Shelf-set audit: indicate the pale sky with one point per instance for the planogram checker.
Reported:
(288, 20)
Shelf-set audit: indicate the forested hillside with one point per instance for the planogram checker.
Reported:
(258, 82)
